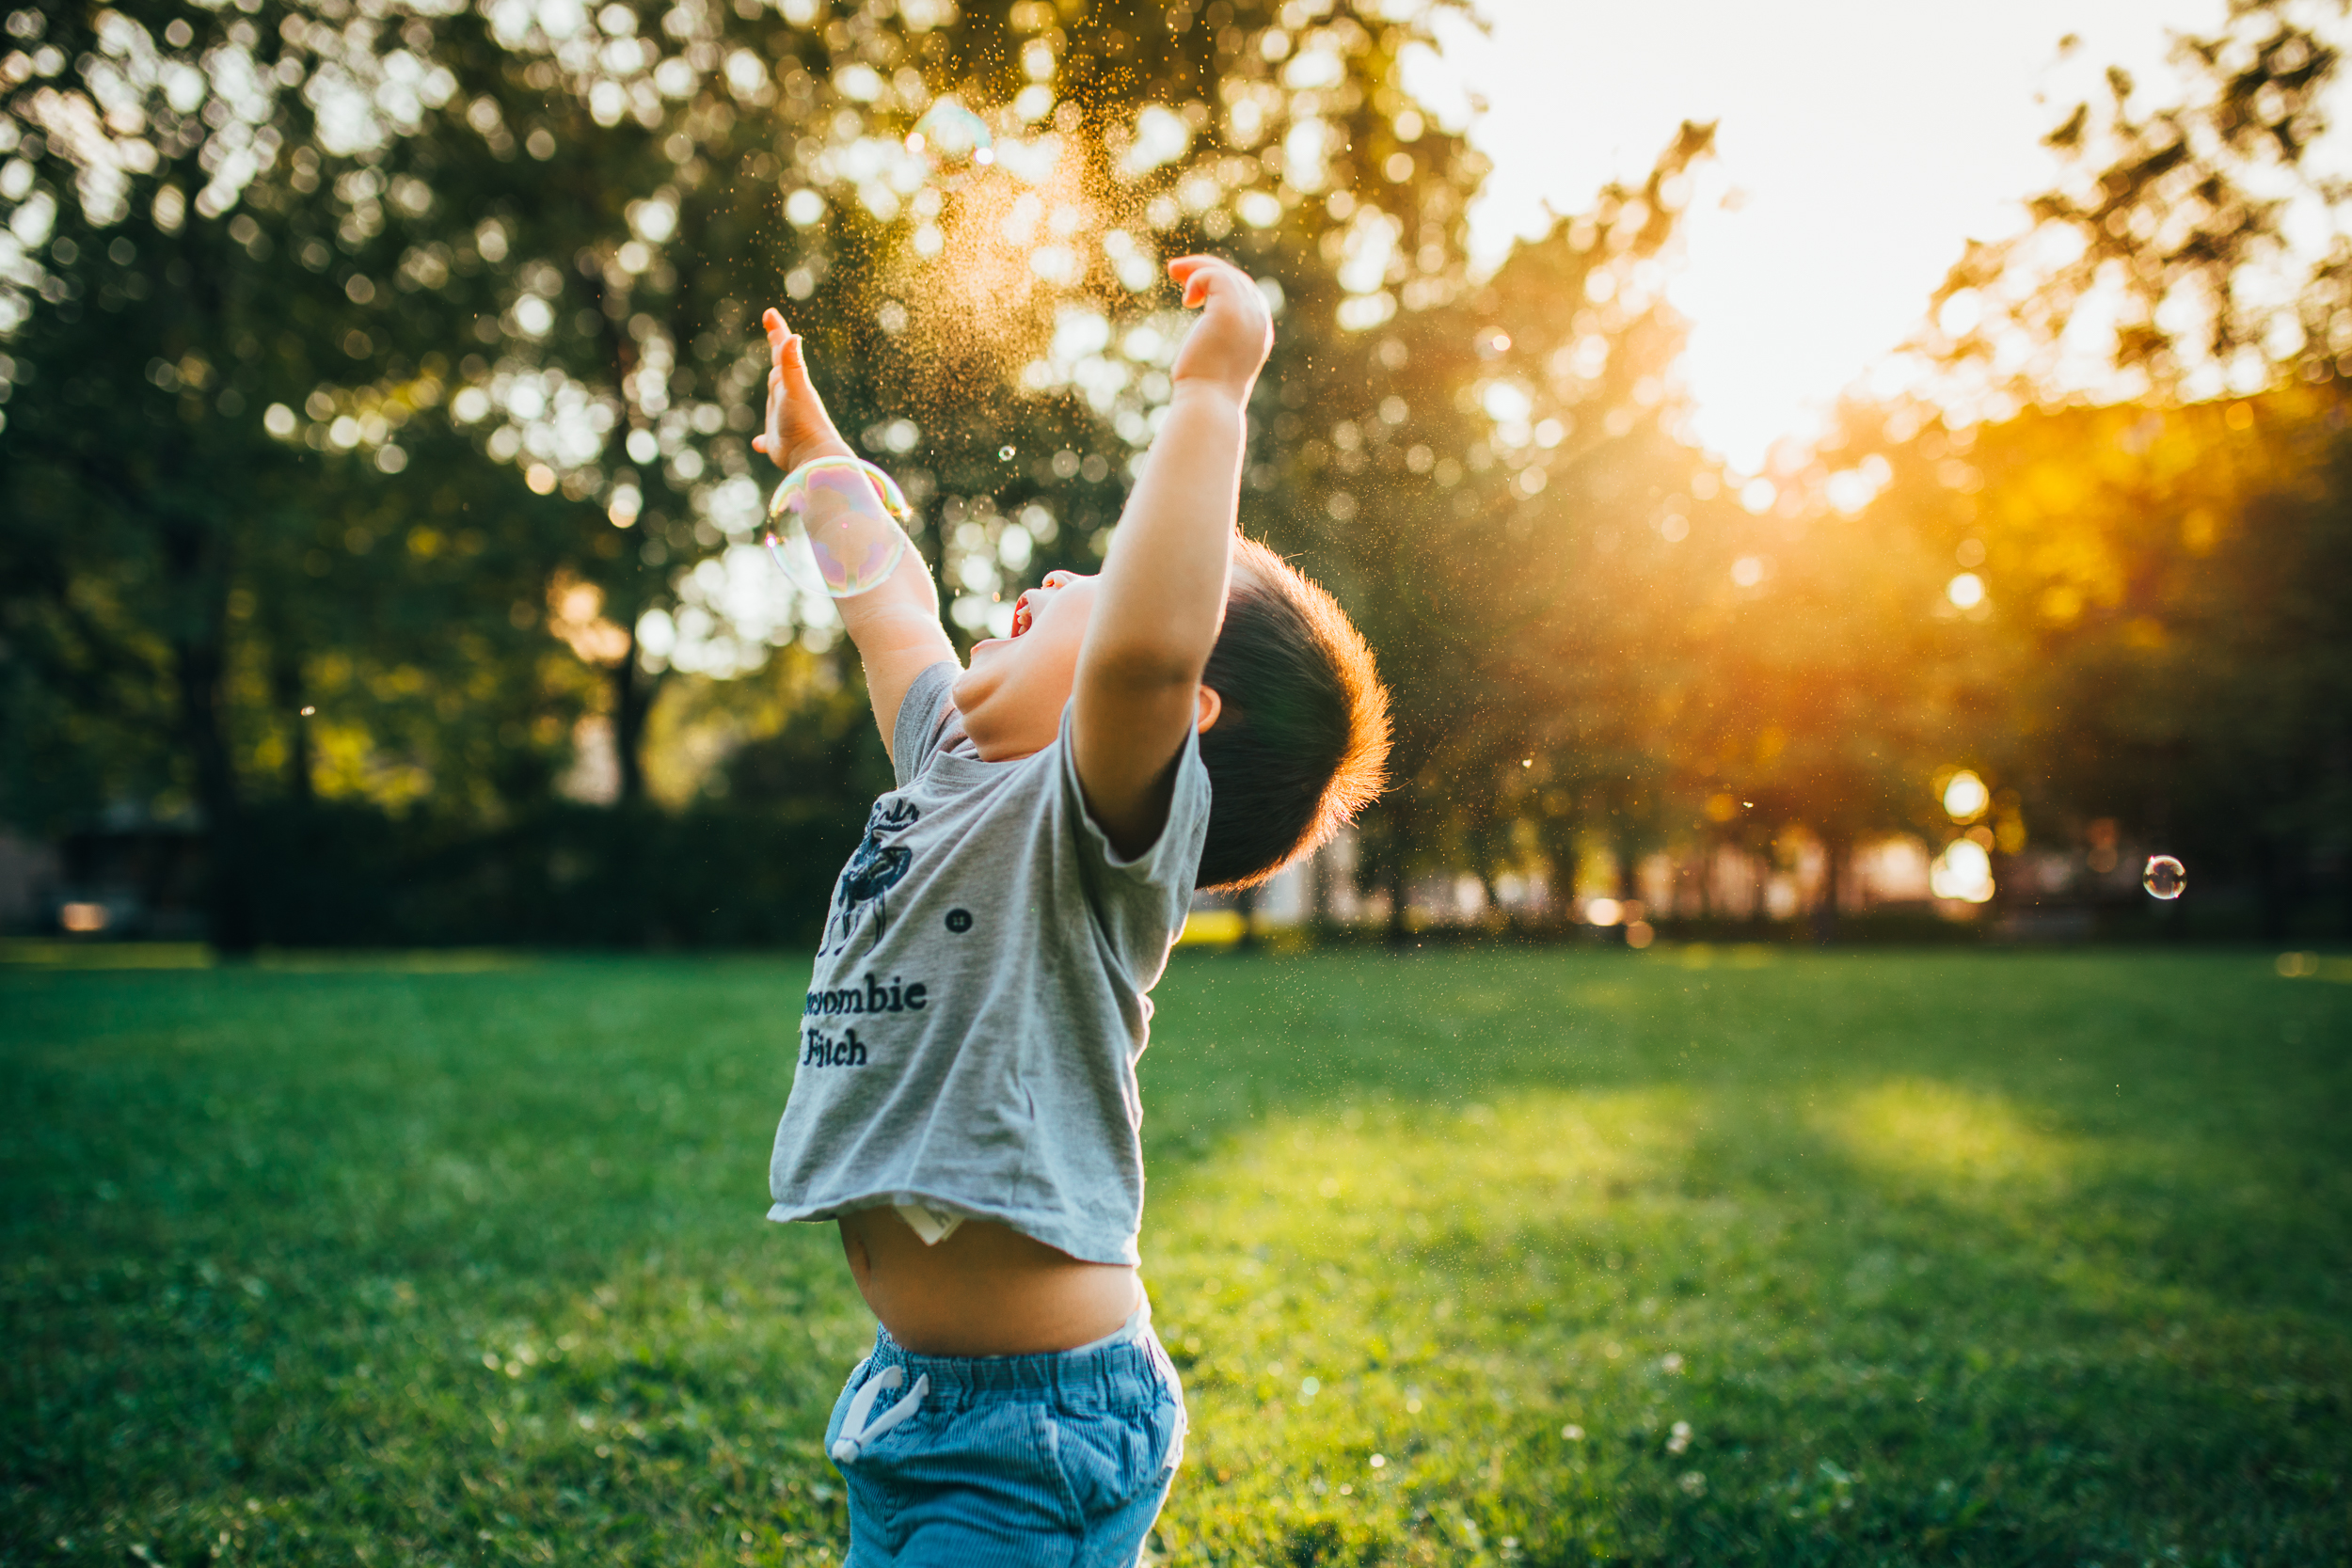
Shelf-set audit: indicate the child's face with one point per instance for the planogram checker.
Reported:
(1012, 694)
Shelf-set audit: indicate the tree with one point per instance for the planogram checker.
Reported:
(1127, 133)
(2164, 645)
(2156, 564)
(195, 252)
(1507, 561)
(554, 242)
(2167, 255)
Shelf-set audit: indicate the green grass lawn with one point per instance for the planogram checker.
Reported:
(1468, 1257)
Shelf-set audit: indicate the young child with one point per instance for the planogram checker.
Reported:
(964, 1101)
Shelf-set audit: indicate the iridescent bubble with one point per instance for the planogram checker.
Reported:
(1004, 454)
(1492, 343)
(833, 527)
(953, 142)
(2164, 877)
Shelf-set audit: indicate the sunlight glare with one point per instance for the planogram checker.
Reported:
(1848, 181)
(1922, 1128)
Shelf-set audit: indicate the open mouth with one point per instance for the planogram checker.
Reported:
(1021, 617)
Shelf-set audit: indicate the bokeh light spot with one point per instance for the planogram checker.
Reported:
(1966, 796)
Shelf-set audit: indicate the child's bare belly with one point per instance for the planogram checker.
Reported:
(985, 1289)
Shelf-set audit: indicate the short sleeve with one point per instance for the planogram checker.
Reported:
(924, 722)
(1141, 901)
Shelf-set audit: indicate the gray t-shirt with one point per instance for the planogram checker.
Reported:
(970, 1033)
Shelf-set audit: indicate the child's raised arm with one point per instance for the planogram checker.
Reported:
(1162, 602)
(896, 627)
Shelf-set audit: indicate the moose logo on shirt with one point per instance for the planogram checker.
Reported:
(875, 867)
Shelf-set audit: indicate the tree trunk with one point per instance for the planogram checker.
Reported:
(633, 692)
(197, 568)
(1834, 852)
(198, 664)
(286, 689)
(1246, 904)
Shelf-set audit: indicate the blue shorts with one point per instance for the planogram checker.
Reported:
(1024, 1461)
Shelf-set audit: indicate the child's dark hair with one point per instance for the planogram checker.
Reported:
(1300, 743)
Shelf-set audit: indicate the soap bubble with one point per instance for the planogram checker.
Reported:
(2165, 877)
(833, 527)
(1004, 454)
(953, 142)
(1492, 344)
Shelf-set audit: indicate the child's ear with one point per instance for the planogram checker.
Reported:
(1210, 706)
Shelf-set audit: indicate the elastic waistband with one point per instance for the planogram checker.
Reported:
(1123, 1374)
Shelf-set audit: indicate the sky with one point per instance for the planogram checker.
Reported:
(1867, 141)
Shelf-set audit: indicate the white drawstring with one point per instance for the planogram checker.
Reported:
(856, 1430)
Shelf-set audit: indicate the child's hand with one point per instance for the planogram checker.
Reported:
(798, 426)
(1228, 345)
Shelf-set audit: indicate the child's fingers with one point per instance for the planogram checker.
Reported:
(771, 443)
(1204, 277)
(796, 411)
(1193, 275)
(784, 344)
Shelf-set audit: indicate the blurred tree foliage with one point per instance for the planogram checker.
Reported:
(2189, 244)
(380, 381)
(309, 303)
(2166, 569)
(2161, 641)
